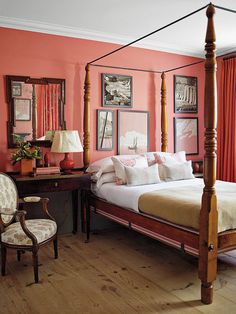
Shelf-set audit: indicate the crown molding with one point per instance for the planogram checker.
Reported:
(54, 29)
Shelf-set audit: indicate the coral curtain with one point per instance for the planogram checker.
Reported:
(227, 123)
(48, 98)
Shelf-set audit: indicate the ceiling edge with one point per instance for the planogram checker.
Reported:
(55, 29)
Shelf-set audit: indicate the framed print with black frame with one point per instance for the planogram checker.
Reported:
(133, 132)
(185, 94)
(116, 90)
(105, 129)
(186, 135)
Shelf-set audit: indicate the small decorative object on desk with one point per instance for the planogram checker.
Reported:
(46, 170)
(26, 155)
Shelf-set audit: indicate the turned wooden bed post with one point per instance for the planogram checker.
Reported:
(209, 215)
(87, 117)
(164, 140)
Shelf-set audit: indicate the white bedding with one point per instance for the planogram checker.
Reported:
(127, 196)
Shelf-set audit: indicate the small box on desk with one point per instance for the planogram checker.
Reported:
(46, 170)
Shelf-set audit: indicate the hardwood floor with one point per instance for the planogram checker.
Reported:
(119, 271)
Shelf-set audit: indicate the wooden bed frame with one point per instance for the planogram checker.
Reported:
(206, 243)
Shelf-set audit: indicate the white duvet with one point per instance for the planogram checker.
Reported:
(127, 196)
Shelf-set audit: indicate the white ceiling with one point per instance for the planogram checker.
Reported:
(121, 22)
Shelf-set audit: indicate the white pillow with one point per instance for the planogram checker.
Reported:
(177, 171)
(104, 165)
(161, 157)
(142, 176)
(120, 163)
(106, 178)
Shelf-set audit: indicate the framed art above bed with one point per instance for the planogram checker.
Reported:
(186, 135)
(185, 94)
(105, 129)
(116, 90)
(133, 132)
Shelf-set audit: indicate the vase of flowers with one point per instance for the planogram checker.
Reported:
(26, 155)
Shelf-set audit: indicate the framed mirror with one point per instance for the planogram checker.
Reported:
(36, 108)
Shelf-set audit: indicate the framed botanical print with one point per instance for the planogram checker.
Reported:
(186, 135)
(133, 132)
(116, 90)
(22, 109)
(105, 130)
(185, 94)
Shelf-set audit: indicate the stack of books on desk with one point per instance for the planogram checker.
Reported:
(47, 170)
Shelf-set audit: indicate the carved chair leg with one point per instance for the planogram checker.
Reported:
(55, 245)
(35, 265)
(18, 255)
(4, 258)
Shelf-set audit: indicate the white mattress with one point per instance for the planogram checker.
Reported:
(127, 196)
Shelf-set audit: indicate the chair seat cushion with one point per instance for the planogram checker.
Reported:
(43, 229)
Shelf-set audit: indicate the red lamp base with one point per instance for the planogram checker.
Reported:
(67, 163)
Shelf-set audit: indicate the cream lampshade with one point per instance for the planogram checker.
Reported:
(66, 142)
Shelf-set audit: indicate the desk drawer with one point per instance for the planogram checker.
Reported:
(52, 185)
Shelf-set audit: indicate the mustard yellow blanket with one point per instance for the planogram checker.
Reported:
(181, 205)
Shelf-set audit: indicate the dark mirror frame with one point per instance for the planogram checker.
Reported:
(10, 101)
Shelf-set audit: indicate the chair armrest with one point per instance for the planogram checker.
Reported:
(20, 214)
(36, 199)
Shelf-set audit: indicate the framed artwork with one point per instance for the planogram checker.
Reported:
(16, 89)
(105, 130)
(133, 132)
(116, 90)
(186, 135)
(22, 109)
(185, 94)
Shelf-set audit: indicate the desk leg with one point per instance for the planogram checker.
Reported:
(75, 204)
(87, 208)
(82, 212)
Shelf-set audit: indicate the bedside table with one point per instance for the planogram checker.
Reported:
(76, 181)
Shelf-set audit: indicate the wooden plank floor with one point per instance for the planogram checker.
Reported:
(119, 271)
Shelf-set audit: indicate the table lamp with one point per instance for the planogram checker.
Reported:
(66, 142)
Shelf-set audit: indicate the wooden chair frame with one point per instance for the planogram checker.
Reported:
(20, 216)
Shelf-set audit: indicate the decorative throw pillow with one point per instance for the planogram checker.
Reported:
(177, 171)
(104, 165)
(142, 176)
(161, 158)
(120, 163)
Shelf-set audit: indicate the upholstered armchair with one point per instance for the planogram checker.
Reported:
(17, 232)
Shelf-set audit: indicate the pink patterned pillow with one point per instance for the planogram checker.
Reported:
(120, 163)
(161, 158)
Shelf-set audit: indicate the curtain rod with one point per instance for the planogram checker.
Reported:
(149, 34)
(230, 57)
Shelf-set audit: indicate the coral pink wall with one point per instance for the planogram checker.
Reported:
(42, 55)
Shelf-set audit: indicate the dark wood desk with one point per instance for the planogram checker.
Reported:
(56, 183)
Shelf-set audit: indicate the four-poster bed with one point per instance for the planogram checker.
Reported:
(206, 242)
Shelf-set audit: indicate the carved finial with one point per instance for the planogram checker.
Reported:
(210, 10)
